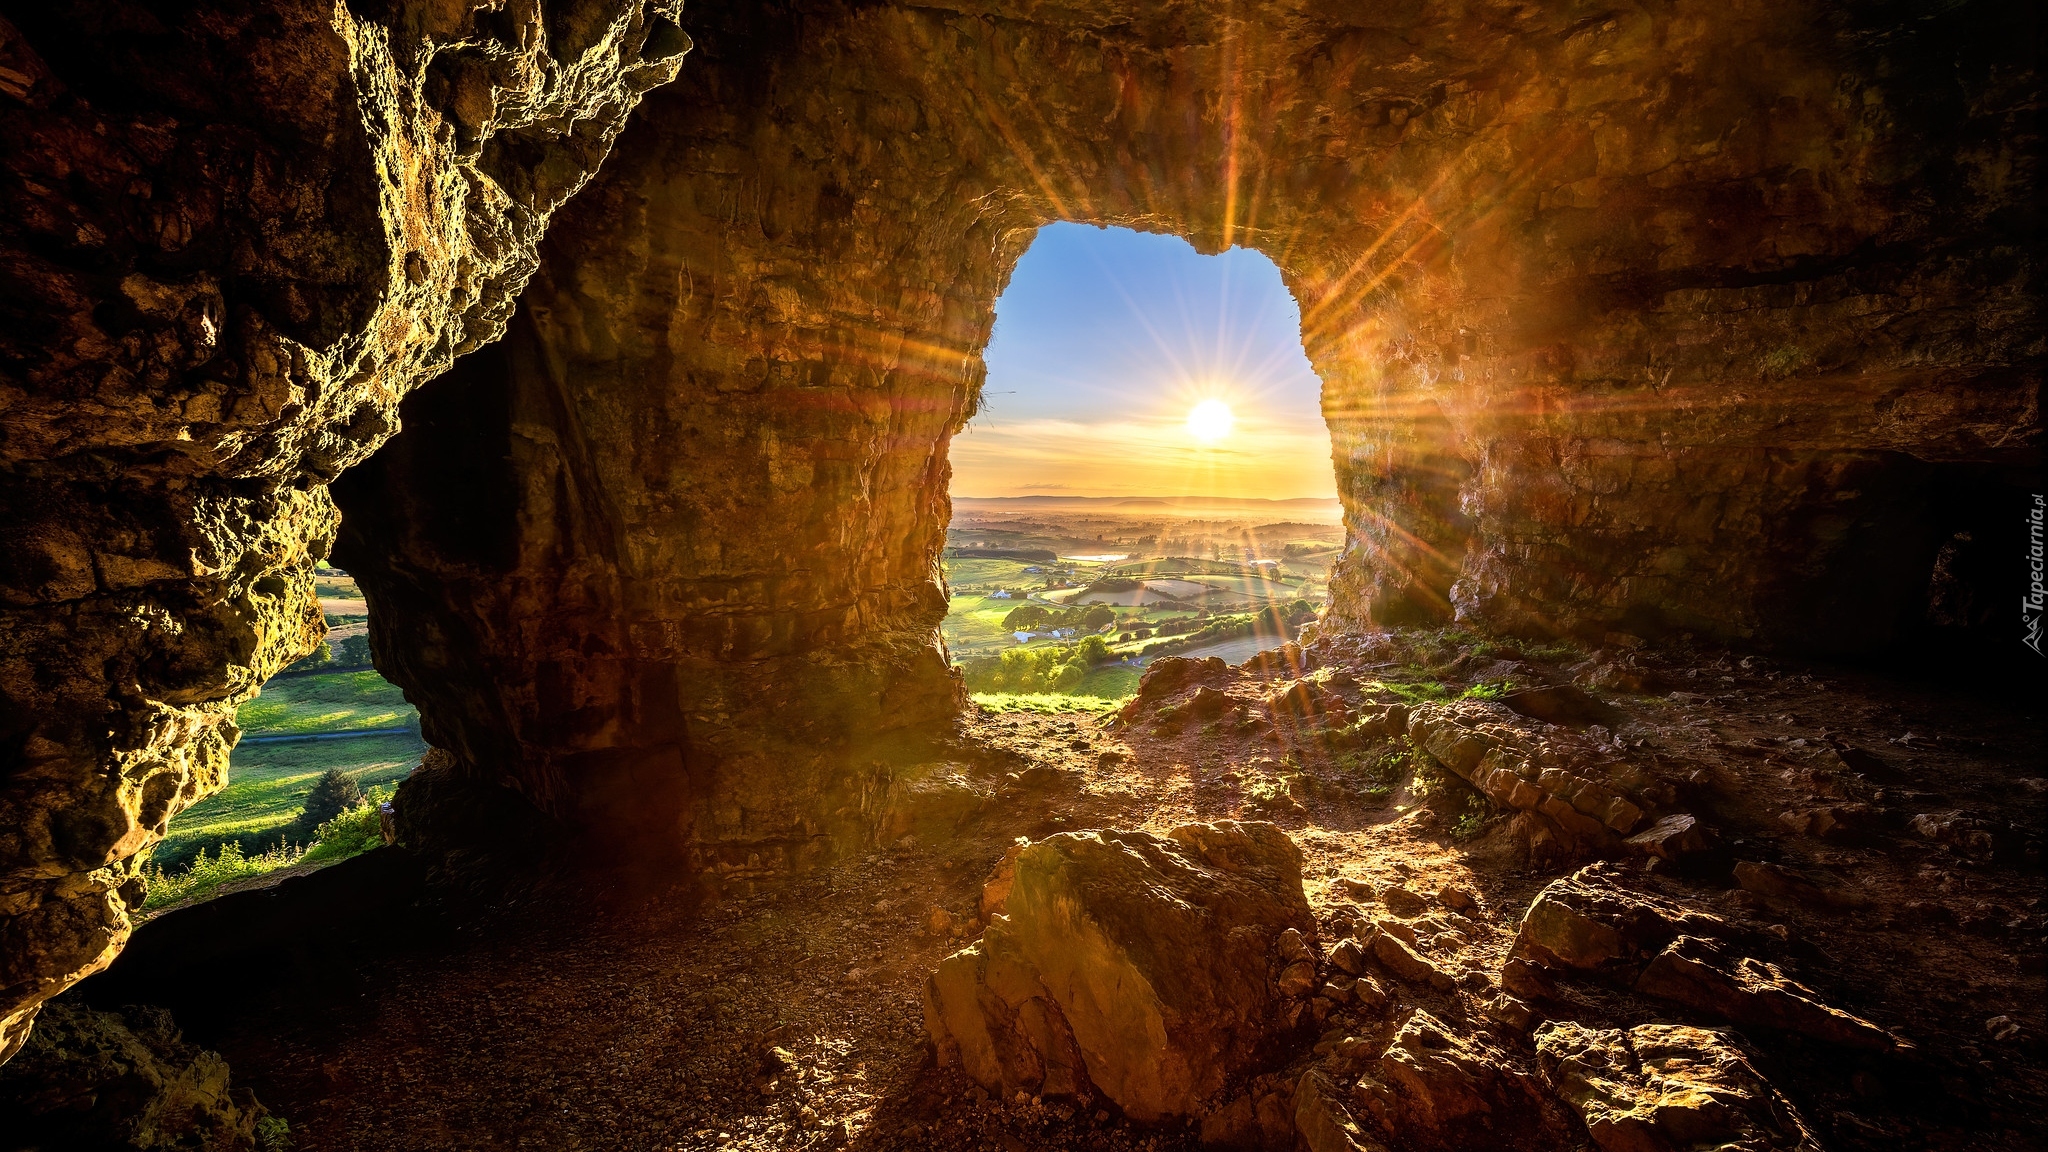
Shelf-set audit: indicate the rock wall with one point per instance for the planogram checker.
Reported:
(234, 236)
(1643, 319)
(1694, 316)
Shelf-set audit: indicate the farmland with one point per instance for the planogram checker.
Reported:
(322, 715)
(1167, 571)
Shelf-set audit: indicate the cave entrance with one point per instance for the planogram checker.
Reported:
(1146, 471)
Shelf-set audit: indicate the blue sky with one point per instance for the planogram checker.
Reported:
(1106, 339)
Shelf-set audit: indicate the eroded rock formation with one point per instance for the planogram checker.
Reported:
(1153, 970)
(1680, 318)
(1624, 323)
(234, 236)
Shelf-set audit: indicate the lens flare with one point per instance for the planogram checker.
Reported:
(1210, 421)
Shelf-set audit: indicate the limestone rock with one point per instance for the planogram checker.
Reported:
(1582, 789)
(1752, 993)
(1785, 886)
(1588, 922)
(1401, 961)
(1672, 838)
(1323, 1117)
(1667, 1088)
(1434, 1089)
(233, 241)
(93, 1081)
(1142, 965)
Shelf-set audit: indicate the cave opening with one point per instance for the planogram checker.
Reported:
(1145, 473)
(1663, 355)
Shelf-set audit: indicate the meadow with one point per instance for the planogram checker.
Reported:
(304, 704)
(291, 734)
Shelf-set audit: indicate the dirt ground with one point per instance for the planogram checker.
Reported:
(789, 1017)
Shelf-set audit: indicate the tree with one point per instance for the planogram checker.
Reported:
(1096, 616)
(1025, 618)
(355, 651)
(1092, 650)
(334, 793)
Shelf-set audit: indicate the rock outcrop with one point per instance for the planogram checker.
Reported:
(1590, 924)
(1620, 323)
(94, 1081)
(1148, 969)
(1424, 1085)
(1577, 791)
(1665, 1087)
(1708, 318)
(234, 237)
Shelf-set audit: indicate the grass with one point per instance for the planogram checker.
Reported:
(1415, 692)
(1380, 768)
(1044, 702)
(267, 785)
(325, 702)
(1117, 683)
(350, 834)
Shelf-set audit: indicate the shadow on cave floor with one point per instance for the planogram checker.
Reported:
(790, 1016)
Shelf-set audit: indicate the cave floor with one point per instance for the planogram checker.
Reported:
(789, 1016)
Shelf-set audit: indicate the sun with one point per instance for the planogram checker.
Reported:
(1210, 421)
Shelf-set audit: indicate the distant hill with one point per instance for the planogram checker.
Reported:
(1312, 509)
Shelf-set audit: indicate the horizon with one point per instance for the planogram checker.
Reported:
(1105, 342)
(1143, 496)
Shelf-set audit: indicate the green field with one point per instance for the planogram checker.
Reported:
(1046, 702)
(268, 781)
(325, 702)
(267, 785)
(976, 622)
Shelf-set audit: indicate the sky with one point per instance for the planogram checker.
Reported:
(1107, 339)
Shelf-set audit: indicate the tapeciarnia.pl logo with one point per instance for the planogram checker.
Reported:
(2037, 595)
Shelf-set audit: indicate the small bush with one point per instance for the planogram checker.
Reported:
(349, 834)
(1486, 691)
(273, 1134)
(207, 873)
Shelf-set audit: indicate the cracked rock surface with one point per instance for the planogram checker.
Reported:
(234, 236)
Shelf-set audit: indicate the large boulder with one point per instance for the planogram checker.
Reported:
(1711, 977)
(1664, 1087)
(1146, 967)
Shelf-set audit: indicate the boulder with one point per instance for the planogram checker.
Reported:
(1402, 962)
(1714, 978)
(1431, 1089)
(1324, 1120)
(1582, 787)
(1148, 967)
(1672, 838)
(1588, 922)
(1785, 886)
(1663, 1087)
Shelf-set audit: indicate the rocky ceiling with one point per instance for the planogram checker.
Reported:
(1631, 318)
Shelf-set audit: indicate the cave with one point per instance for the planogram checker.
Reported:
(1675, 355)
